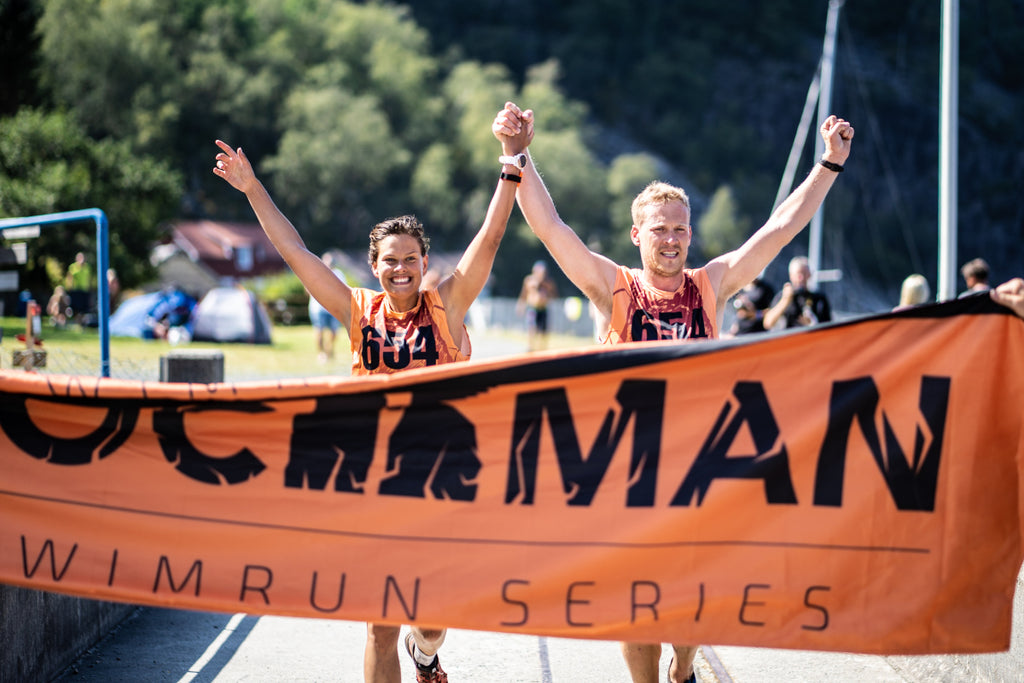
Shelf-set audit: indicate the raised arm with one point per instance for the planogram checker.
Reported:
(592, 273)
(730, 272)
(775, 312)
(460, 289)
(332, 293)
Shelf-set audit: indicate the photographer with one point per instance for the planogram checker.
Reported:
(750, 303)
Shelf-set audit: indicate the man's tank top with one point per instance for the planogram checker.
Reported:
(641, 312)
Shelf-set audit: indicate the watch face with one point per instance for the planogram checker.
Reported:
(517, 160)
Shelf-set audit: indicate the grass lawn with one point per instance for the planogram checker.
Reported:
(76, 351)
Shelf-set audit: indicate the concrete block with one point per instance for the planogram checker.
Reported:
(200, 366)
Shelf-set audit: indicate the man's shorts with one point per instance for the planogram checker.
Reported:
(321, 319)
(538, 319)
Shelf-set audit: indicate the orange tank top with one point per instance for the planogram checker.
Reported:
(385, 341)
(644, 313)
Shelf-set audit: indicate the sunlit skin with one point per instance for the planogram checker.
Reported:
(663, 237)
(1011, 295)
(400, 268)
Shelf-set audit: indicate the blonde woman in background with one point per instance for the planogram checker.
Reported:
(915, 290)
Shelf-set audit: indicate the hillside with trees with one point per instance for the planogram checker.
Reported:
(354, 111)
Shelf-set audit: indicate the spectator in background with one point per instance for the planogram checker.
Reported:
(171, 311)
(914, 291)
(538, 290)
(113, 289)
(750, 304)
(325, 325)
(975, 273)
(78, 282)
(796, 305)
(58, 307)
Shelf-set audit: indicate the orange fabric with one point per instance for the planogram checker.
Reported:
(851, 487)
(641, 312)
(383, 341)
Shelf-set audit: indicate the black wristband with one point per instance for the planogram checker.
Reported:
(830, 166)
(511, 176)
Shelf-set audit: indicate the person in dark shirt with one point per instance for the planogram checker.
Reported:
(975, 273)
(796, 305)
(750, 304)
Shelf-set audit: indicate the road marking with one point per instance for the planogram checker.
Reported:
(545, 662)
(211, 651)
(716, 664)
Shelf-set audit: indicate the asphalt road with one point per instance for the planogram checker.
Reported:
(167, 645)
(157, 645)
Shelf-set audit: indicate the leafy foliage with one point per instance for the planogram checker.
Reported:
(19, 45)
(721, 228)
(354, 111)
(628, 175)
(717, 88)
(48, 164)
(286, 285)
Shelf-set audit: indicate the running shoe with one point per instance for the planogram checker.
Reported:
(425, 674)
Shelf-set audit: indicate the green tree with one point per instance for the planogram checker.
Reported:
(475, 93)
(575, 177)
(116, 64)
(627, 176)
(722, 228)
(434, 194)
(19, 45)
(48, 164)
(388, 54)
(333, 163)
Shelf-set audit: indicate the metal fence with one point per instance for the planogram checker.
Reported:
(66, 362)
(570, 316)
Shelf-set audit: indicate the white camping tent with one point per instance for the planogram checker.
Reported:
(231, 314)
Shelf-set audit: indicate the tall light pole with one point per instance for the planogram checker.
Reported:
(828, 58)
(948, 116)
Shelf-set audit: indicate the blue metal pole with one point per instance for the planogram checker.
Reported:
(103, 289)
(102, 264)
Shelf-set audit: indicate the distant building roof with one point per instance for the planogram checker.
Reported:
(227, 250)
(201, 254)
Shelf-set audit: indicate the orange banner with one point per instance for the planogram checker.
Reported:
(851, 487)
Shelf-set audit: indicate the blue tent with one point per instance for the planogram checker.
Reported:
(129, 320)
(139, 315)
